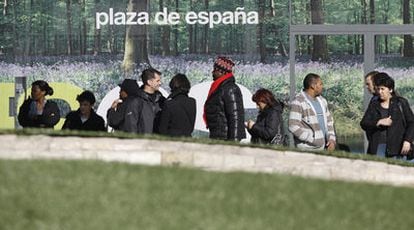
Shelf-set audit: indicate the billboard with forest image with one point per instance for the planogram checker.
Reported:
(93, 44)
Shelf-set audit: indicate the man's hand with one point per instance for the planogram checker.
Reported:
(115, 103)
(330, 146)
(406, 148)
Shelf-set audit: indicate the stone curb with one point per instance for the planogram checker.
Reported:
(208, 157)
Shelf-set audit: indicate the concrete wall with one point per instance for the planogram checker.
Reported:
(203, 156)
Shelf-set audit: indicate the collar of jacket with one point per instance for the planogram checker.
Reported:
(394, 99)
(142, 94)
(93, 113)
(177, 93)
(276, 107)
(218, 82)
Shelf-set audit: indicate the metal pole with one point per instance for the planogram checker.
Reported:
(369, 62)
(292, 63)
(369, 65)
(292, 51)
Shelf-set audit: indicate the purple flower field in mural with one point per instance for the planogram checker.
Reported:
(343, 81)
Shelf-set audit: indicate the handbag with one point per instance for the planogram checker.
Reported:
(279, 138)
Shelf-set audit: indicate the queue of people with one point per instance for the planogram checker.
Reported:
(388, 122)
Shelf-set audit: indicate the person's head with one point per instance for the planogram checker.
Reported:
(181, 83)
(86, 101)
(40, 89)
(129, 88)
(313, 84)
(151, 78)
(369, 81)
(222, 66)
(385, 86)
(264, 98)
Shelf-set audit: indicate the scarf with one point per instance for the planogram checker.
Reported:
(213, 88)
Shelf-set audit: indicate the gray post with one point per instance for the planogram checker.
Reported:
(369, 62)
(19, 89)
(292, 63)
(369, 65)
(292, 50)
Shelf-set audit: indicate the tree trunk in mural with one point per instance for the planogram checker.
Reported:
(205, 40)
(84, 31)
(165, 32)
(364, 6)
(386, 7)
(97, 34)
(136, 47)
(261, 31)
(176, 32)
(364, 20)
(319, 52)
(408, 39)
(5, 7)
(372, 20)
(28, 36)
(372, 11)
(191, 45)
(69, 47)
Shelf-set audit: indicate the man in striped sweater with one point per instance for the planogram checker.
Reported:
(310, 121)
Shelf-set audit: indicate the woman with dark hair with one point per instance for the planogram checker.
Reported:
(179, 111)
(85, 117)
(269, 122)
(38, 112)
(389, 120)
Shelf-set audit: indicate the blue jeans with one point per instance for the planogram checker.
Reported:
(403, 158)
(381, 150)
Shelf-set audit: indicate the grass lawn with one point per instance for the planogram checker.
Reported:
(96, 195)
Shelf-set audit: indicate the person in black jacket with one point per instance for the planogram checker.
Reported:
(38, 112)
(223, 109)
(389, 121)
(179, 110)
(151, 101)
(124, 114)
(85, 117)
(269, 122)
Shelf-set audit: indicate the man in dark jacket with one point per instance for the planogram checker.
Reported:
(151, 101)
(124, 114)
(85, 118)
(223, 110)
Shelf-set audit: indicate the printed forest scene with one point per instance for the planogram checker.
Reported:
(89, 45)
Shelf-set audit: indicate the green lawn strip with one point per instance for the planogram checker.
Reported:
(123, 135)
(96, 195)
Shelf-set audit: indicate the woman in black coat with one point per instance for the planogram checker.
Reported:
(38, 112)
(85, 117)
(388, 121)
(269, 121)
(179, 110)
